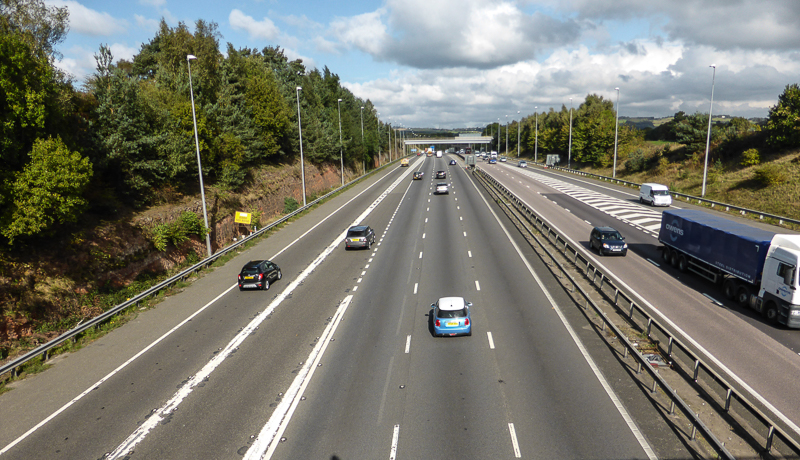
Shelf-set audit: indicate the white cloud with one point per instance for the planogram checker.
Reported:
(146, 23)
(90, 22)
(264, 29)
(365, 32)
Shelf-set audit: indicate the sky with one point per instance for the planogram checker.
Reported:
(467, 63)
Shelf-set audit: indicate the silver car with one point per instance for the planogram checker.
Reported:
(441, 188)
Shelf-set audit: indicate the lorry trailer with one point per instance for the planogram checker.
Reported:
(754, 267)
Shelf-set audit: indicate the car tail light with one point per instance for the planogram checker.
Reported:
(240, 277)
(260, 276)
(438, 323)
(466, 321)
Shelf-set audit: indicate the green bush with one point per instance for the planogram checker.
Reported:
(750, 157)
(290, 205)
(636, 162)
(770, 174)
(177, 232)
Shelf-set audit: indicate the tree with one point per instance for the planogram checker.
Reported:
(784, 119)
(40, 26)
(48, 191)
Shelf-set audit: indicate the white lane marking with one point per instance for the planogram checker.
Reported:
(458, 207)
(477, 285)
(713, 299)
(610, 392)
(426, 220)
(514, 442)
(465, 233)
(172, 404)
(355, 288)
(423, 236)
(428, 209)
(416, 285)
(420, 254)
(408, 344)
(469, 253)
(366, 266)
(460, 218)
(653, 262)
(277, 425)
(370, 259)
(491, 340)
(178, 326)
(112, 373)
(395, 437)
(363, 273)
(359, 280)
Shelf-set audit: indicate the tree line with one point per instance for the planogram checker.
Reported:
(127, 135)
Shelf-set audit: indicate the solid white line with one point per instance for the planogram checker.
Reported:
(408, 344)
(514, 442)
(477, 285)
(610, 392)
(395, 437)
(178, 326)
(713, 299)
(283, 413)
(416, 285)
(491, 340)
(653, 262)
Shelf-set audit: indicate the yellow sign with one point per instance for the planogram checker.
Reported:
(242, 218)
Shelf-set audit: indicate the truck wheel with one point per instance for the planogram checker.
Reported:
(665, 254)
(743, 296)
(729, 288)
(771, 311)
(683, 263)
(673, 259)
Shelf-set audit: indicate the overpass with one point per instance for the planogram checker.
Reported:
(461, 141)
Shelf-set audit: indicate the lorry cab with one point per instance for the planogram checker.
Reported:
(779, 294)
(654, 194)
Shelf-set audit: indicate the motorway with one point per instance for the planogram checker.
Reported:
(763, 356)
(338, 360)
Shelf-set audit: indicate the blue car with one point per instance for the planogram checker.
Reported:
(450, 317)
(492, 161)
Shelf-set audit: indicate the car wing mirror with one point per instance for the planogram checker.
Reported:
(469, 304)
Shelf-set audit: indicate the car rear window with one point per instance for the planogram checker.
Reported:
(250, 270)
(352, 233)
(452, 313)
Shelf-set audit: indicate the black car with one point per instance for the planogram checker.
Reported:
(452, 162)
(361, 236)
(418, 175)
(441, 174)
(258, 274)
(608, 241)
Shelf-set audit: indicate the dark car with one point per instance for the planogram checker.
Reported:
(608, 241)
(361, 236)
(441, 174)
(258, 274)
(418, 175)
(452, 162)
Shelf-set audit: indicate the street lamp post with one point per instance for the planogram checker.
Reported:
(341, 146)
(189, 59)
(536, 137)
(569, 147)
(363, 160)
(498, 135)
(302, 163)
(708, 136)
(506, 135)
(378, 128)
(616, 133)
(519, 130)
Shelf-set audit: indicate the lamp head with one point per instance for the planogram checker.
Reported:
(190, 57)
(299, 88)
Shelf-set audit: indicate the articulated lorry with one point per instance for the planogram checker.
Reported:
(755, 267)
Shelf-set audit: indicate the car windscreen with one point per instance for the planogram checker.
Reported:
(611, 236)
(660, 192)
(356, 233)
(452, 313)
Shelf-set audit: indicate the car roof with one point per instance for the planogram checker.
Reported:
(606, 229)
(252, 263)
(451, 303)
(358, 228)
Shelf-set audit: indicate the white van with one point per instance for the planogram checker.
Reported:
(655, 194)
(439, 154)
